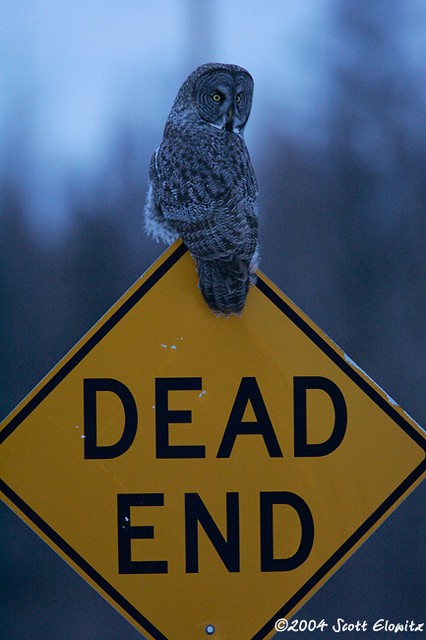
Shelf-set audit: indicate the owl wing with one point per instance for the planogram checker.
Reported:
(156, 224)
(208, 194)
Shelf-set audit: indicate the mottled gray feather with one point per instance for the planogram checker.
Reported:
(203, 187)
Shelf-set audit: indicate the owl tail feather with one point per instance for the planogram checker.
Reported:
(224, 284)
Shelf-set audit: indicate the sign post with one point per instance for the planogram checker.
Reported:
(201, 470)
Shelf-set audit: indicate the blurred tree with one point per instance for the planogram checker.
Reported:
(376, 160)
(31, 336)
(200, 24)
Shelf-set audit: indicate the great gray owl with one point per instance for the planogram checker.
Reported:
(203, 187)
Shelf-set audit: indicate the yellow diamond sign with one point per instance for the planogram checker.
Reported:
(206, 474)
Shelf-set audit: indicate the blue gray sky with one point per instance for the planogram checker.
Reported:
(71, 73)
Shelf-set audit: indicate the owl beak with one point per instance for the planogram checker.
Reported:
(229, 126)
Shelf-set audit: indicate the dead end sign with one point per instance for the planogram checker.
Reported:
(200, 470)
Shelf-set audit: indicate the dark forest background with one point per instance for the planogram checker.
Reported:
(342, 232)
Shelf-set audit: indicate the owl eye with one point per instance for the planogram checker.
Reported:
(238, 98)
(217, 97)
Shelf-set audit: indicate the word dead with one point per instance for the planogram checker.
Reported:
(248, 392)
(196, 514)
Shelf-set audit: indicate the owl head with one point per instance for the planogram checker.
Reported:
(220, 94)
